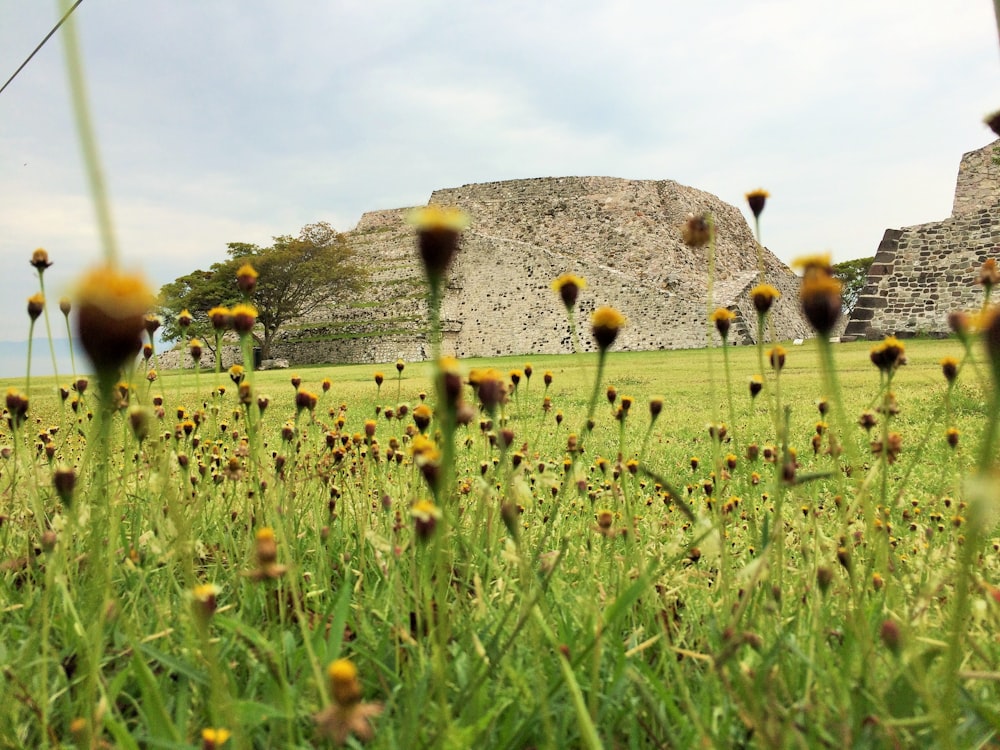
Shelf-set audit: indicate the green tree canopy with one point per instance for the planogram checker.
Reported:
(853, 274)
(296, 275)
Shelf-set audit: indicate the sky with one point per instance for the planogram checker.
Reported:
(239, 120)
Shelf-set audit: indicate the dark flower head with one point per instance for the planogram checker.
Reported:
(763, 296)
(820, 295)
(221, 318)
(111, 316)
(696, 231)
(439, 231)
(605, 324)
(723, 319)
(40, 260)
(568, 287)
(36, 305)
(244, 318)
(989, 274)
(756, 199)
(888, 355)
(246, 278)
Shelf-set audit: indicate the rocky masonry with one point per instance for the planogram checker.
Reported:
(622, 236)
(922, 273)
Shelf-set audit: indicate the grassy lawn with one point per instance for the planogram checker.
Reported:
(538, 584)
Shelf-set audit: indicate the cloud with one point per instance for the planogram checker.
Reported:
(231, 121)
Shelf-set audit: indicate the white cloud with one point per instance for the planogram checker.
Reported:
(236, 121)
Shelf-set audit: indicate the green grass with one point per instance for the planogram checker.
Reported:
(519, 621)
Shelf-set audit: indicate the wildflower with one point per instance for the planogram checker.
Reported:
(138, 419)
(184, 320)
(17, 407)
(604, 520)
(892, 447)
(547, 378)
(756, 199)
(820, 263)
(347, 714)
(655, 407)
(220, 317)
(422, 417)
(65, 305)
(451, 375)
(491, 389)
(612, 394)
(515, 377)
(151, 376)
(891, 636)
(993, 122)
(960, 322)
(204, 598)
(40, 260)
(195, 348)
(723, 319)
(111, 316)
(776, 356)
(147, 351)
(266, 552)
(305, 400)
(36, 305)
(568, 286)
(989, 275)
(951, 436)
(326, 384)
(991, 337)
(425, 516)
(244, 318)
(824, 577)
(237, 374)
(212, 739)
(756, 385)
(528, 370)
(64, 480)
(427, 457)
(246, 278)
(888, 355)
(820, 296)
(439, 230)
(696, 231)
(152, 324)
(400, 365)
(949, 368)
(605, 324)
(867, 421)
(379, 379)
(763, 296)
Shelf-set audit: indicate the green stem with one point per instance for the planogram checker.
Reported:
(88, 141)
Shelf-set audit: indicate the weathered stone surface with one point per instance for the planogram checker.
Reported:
(922, 273)
(622, 236)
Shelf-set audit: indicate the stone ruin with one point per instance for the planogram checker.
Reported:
(922, 273)
(622, 236)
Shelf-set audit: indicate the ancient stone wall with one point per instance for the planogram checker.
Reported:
(622, 236)
(922, 273)
(978, 183)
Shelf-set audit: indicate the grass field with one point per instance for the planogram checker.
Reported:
(322, 573)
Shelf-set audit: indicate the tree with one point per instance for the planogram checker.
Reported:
(297, 274)
(853, 274)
